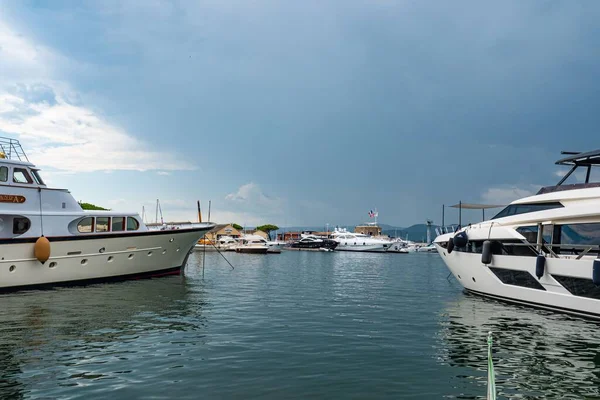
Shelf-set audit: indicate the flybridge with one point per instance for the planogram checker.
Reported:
(576, 160)
(11, 149)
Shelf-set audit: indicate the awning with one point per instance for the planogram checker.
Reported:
(473, 206)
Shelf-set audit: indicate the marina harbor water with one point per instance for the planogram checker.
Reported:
(314, 325)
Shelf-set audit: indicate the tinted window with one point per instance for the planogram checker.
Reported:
(580, 234)
(132, 224)
(579, 286)
(21, 225)
(102, 224)
(517, 278)
(118, 224)
(516, 209)
(531, 232)
(21, 176)
(3, 174)
(86, 225)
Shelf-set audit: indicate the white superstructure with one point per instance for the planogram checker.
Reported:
(349, 241)
(83, 245)
(541, 250)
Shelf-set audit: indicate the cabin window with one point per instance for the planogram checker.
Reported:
(132, 224)
(102, 224)
(37, 177)
(578, 234)
(118, 224)
(531, 232)
(21, 175)
(516, 209)
(86, 225)
(21, 225)
(3, 174)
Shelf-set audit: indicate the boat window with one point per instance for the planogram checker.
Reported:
(3, 174)
(21, 225)
(531, 232)
(516, 209)
(132, 224)
(86, 225)
(102, 224)
(21, 175)
(37, 177)
(118, 224)
(578, 234)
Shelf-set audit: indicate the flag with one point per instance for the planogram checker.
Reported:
(371, 214)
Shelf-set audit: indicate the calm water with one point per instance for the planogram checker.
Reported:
(294, 325)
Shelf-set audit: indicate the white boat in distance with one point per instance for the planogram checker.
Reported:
(46, 238)
(348, 241)
(252, 244)
(541, 250)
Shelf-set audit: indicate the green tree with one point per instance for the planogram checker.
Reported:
(267, 228)
(238, 227)
(90, 206)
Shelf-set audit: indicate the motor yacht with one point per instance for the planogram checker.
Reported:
(252, 244)
(313, 243)
(46, 238)
(348, 241)
(542, 250)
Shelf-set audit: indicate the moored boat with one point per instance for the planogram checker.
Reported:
(542, 250)
(313, 243)
(46, 238)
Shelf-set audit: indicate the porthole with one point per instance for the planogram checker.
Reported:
(459, 277)
(149, 253)
(52, 265)
(110, 258)
(84, 261)
(171, 240)
(102, 250)
(473, 279)
(177, 249)
(12, 268)
(164, 251)
(130, 256)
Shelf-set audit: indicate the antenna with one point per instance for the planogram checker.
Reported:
(199, 212)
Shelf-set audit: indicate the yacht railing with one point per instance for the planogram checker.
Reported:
(12, 149)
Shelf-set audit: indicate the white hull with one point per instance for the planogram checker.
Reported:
(375, 248)
(105, 257)
(476, 277)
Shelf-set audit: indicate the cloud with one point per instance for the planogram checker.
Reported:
(56, 131)
(251, 195)
(506, 194)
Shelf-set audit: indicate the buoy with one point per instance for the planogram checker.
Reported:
(486, 252)
(461, 239)
(540, 264)
(450, 245)
(596, 272)
(41, 250)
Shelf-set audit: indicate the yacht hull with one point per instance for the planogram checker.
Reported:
(374, 248)
(92, 258)
(480, 279)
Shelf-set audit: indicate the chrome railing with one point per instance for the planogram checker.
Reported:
(12, 149)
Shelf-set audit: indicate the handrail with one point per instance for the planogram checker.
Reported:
(12, 149)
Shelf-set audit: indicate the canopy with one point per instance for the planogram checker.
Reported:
(585, 159)
(473, 206)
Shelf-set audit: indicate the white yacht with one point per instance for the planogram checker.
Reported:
(543, 250)
(252, 244)
(46, 238)
(348, 241)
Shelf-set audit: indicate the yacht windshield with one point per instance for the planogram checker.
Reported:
(37, 177)
(516, 209)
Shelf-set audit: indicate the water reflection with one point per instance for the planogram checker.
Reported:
(56, 335)
(537, 354)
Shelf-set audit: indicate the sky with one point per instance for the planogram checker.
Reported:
(300, 113)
